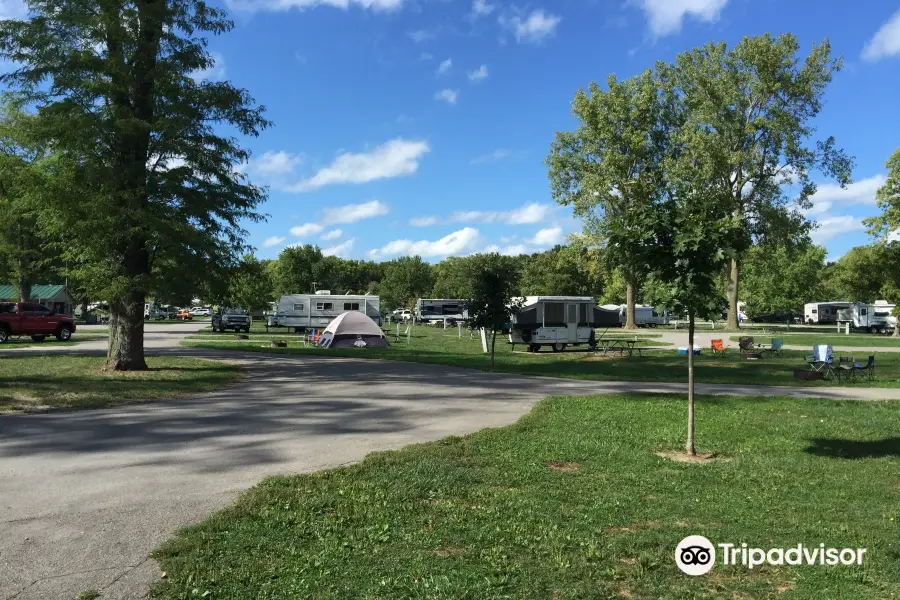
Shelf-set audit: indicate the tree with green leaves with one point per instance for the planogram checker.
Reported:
(609, 170)
(249, 285)
(23, 167)
(154, 191)
(752, 108)
(494, 297)
(563, 271)
(696, 233)
(886, 226)
(297, 269)
(405, 279)
(782, 278)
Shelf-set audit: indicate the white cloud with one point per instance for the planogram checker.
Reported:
(514, 250)
(665, 16)
(550, 236)
(351, 213)
(275, 240)
(420, 36)
(481, 8)
(332, 235)
(215, 72)
(283, 5)
(423, 221)
(426, 56)
(538, 26)
(275, 163)
(464, 241)
(479, 74)
(341, 249)
(445, 66)
(306, 229)
(830, 194)
(886, 41)
(832, 227)
(13, 9)
(526, 215)
(495, 156)
(396, 158)
(448, 96)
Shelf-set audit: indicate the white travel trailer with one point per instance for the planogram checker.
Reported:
(429, 309)
(876, 317)
(314, 311)
(558, 322)
(644, 316)
(822, 312)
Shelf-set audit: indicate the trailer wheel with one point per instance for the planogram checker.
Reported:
(809, 321)
(525, 335)
(559, 347)
(534, 348)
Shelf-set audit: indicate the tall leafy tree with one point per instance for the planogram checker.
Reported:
(783, 278)
(563, 271)
(494, 296)
(609, 169)
(297, 268)
(118, 94)
(249, 285)
(405, 279)
(751, 108)
(886, 226)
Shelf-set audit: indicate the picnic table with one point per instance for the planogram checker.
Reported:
(620, 345)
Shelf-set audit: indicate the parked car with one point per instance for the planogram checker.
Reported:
(201, 311)
(27, 318)
(184, 314)
(231, 318)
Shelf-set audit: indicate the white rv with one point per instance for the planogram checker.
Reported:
(558, 322)
(429, 309)
(822, 312)
(876, 317)
(644, 316)
(314, 311)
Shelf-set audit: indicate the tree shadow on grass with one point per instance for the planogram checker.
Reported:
(853, 449)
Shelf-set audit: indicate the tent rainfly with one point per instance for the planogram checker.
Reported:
(353, 329)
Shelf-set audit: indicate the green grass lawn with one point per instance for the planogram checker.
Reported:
(30, 381)
(443, 347)
(865, 340)
(570, 503)
(20, 342)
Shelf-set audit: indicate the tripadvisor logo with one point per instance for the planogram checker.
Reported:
(696, 555)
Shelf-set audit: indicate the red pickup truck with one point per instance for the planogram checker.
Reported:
(28, 318)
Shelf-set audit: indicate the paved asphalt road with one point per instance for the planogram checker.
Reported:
(86, 495)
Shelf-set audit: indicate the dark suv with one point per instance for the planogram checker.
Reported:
(231, 318)
(29, 318)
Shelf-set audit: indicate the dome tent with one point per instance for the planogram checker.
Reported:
(353, 329)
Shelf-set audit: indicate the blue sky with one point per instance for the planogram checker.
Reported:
(421, 126)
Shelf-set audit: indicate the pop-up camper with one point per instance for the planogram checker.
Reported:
(559, 321)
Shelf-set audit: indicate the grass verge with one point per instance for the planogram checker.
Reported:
(439, 347)
(29, 382)
(570, 503)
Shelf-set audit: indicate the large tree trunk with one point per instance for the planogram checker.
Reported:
(734, 279)
(23, 269)
(690, 438)
(630, 289)
(24, 284)
(126, 334)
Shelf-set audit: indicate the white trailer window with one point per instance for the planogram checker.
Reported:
(573, 314)
(298, 307)
(324, 306)
(351, 305)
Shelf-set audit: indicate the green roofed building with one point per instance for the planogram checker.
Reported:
(54, 297)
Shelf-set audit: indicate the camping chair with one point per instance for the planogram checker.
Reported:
(746, 343)
(717, 346)
(822, 360)
(845, 369)
(867, 371)
(777, 346)
(311, 337)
